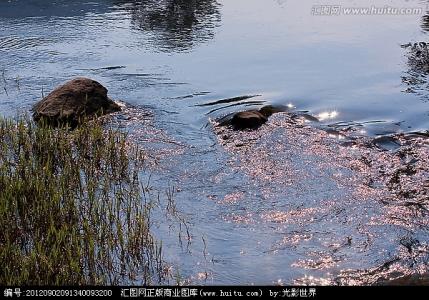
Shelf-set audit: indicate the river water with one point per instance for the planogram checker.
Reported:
(299, 201)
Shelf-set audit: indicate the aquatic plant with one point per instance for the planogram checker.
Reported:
(72, 209)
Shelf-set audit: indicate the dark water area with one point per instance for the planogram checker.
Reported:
(333, 191)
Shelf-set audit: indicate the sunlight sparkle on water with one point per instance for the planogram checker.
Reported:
(327, 115)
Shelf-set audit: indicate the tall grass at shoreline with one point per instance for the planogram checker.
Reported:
(71, 208)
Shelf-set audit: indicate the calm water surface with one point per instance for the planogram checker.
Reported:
(268, 212)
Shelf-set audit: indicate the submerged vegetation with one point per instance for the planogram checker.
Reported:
(72, 208)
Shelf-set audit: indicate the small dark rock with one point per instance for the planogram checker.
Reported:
(269, 110)
(306, 117)
(408, 280)
(251, 119)
(73, 102)
(387, 143)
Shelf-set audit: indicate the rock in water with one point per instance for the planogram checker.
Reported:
(409, 280)
(73, 102)
(248, 119)
(269, 110)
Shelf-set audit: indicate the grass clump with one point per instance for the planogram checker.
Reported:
(71, 208)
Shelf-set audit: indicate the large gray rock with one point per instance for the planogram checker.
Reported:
(74, 102)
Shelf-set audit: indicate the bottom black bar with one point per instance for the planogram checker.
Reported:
(272, 292)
